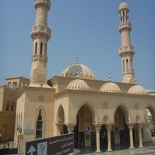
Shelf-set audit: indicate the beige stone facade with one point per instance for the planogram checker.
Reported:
(8, 100)
(100, 113)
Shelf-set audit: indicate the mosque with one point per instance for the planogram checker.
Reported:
(100, 113)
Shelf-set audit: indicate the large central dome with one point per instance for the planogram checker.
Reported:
(78, 70)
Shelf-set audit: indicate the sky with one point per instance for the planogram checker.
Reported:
(87, 28)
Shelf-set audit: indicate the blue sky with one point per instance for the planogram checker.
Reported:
(87, 28)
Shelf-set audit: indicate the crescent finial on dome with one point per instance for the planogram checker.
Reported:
(77, 59)
(109, 76)
(136, 81)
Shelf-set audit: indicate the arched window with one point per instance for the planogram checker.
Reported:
(123, 66)
(41, 48)
(45, 49)
(36, 48)
(39, 125)
(131, 64)
(127, 64)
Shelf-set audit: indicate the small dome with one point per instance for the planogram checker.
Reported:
(78, 84)
(110, 87)
(79, 70)
(123, 5)
(137, 89)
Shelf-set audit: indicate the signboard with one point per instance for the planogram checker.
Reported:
(59, 145)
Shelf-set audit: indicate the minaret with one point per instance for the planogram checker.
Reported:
(126, 51)
(40, 35)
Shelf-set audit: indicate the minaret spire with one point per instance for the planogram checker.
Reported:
(126, 51)
(40, 35)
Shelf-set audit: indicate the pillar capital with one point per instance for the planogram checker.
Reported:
(131, 126)
(109, 127)
(70, 127)
(98, 127)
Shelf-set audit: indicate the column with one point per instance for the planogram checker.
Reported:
(98, 128)
(140, 136)
(109, 137)
(131, 136)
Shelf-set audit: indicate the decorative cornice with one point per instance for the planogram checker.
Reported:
(39, 57)
(42, 3)
(40, 31)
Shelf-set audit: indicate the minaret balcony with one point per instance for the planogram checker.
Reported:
(40, 30)
(39, 57)
(129, 71)
(125, 25)
(127, 50)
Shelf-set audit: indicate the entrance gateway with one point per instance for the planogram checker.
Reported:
(58, 145)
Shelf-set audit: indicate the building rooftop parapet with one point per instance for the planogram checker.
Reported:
(151, 92)
(8, 89)
(13, 90)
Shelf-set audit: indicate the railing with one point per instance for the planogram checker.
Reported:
(40, 29)
(39, 57)
(126, 49)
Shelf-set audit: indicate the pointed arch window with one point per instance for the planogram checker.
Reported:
(123, 66)
(41, 48)
(36, 48)
(127, 64)
(39, 125)
(45, 49)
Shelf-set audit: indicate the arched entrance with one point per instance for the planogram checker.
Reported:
(85, 130)
(150, 119)
(120, 129)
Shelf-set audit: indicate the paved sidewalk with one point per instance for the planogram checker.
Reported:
(136, 151)
(149, 149)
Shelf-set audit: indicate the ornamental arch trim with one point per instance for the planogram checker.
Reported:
(106, 119)
(137, 119)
